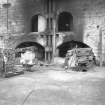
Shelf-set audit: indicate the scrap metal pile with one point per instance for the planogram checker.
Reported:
(8, 64)
(79, 59)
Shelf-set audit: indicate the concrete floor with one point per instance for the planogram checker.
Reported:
(54, 87)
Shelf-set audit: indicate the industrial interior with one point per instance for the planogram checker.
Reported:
(49, 46)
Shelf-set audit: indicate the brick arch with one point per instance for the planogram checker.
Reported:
(19, 41)
(28, 44)
(63, 10)
(64, 47)
(64, 37)
(13, 42)
(39, 50)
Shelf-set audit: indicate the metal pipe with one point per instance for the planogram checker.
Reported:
(100, 46)
(54, 36)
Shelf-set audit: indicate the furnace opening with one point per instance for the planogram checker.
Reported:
(38, 49)
(63, 48)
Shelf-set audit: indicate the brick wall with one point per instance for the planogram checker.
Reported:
(19, 15)
(11, 19)
(87, 15)
(16, 20)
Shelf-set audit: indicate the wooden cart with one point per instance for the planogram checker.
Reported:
(79, 59)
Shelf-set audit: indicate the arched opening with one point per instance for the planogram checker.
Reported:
(38, 23)
(38, 49)
(63, 48)
(65, 21)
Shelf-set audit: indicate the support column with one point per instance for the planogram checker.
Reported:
(54, 36)
(100, 47)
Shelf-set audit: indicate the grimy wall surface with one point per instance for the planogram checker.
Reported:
(87, 16)
(19, 14)
(15, 21)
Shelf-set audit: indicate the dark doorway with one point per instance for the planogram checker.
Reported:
(34, 23)
(65, 21)
(63, 48)
(39, 50)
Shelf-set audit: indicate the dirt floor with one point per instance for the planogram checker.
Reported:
(54, 87)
